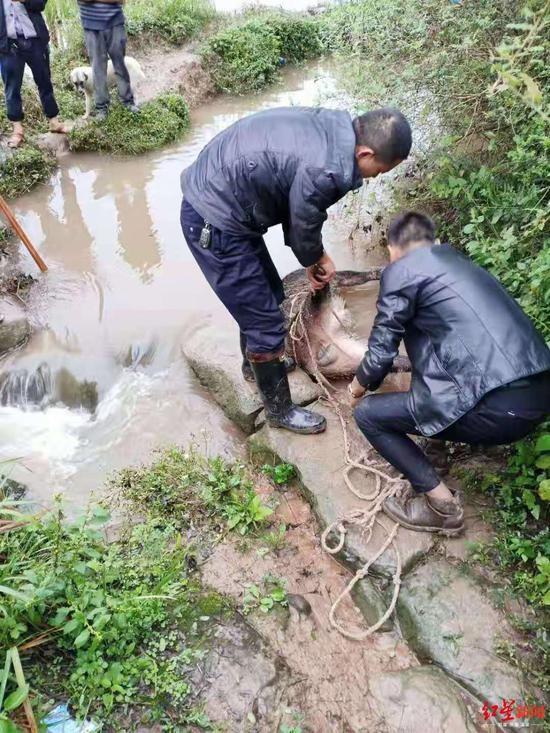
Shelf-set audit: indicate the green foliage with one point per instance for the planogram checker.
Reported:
(264, 599)
(281, 474)
(192, 490)
(173, 21)
(521, 514)
(24, 168)
(160, 122)
(245, 57)
(108, 614)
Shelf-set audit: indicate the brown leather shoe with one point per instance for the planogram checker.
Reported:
(423, 514)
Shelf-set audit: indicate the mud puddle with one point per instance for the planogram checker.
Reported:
(320, 680)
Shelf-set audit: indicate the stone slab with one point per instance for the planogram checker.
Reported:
(446, 617)
(319, 460)
(420, 699)
(214, 355)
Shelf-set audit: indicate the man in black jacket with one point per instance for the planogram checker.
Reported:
(480, 369)
(24, 39)
(281, 166)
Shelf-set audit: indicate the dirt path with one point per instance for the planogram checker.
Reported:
(326, 677)
(174, 69)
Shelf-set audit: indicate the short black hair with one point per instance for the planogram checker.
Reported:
(411, 226)
(386, 131)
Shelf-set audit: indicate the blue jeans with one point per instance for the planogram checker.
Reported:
(35, 53)
(243, 276)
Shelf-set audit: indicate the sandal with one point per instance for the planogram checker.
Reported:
(15, 140)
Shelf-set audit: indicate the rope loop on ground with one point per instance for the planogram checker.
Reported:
(363, 518)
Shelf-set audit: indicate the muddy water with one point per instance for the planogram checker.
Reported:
(121, 293)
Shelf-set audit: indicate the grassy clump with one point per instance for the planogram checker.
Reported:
(117, 627)
(161, 121)
(22, 169)
(193, 490)
(173, 21)
(245, 57)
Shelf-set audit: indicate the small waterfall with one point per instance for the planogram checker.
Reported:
(27, 389)
(21, 388)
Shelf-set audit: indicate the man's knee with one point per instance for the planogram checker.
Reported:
(367, 415)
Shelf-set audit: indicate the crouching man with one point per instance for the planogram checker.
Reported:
(480, 370)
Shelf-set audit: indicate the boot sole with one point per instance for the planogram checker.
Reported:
(306, 431)
(417, 528)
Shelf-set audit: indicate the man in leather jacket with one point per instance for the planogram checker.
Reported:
(480, 369)
(280, 166)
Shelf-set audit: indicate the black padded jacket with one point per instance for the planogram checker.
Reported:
(465, 335)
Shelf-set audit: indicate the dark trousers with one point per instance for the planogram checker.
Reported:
(503, 416)
(35, 53)
(102, 46)
(243, 276)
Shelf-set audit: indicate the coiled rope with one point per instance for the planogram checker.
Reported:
(364, 518)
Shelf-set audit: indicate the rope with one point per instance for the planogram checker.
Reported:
(364, 518)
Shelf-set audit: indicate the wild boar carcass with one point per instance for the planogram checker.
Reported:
(335, 348)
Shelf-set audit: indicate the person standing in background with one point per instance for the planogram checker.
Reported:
(24, 39)
(103, 22)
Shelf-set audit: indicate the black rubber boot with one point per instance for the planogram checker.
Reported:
(280, 411)
(246, 367)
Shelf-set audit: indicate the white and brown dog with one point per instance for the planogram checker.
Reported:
(82, 78)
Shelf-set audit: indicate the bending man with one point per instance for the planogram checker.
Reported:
(282, 166)
(480, 370)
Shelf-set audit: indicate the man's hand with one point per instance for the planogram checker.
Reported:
(356, 392)
(321, 273)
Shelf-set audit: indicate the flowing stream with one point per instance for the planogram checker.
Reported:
(120, 295)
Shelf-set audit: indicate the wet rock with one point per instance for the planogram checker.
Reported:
(215, 358)
(319, 460)
(298, 602)
(238, 677)
(420, 699)
(73, 393)
(40, 387)
(371, 602)
(15, 329)
(446, 617)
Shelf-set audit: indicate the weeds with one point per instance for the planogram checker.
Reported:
(280, 474)
(245, 57)
(159, 123)
(192, 490)
(22, 169)
(173, 21)
(264, 599)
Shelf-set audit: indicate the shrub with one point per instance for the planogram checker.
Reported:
(243, 58)
(171, 20)
(160, 122)
(24, 168)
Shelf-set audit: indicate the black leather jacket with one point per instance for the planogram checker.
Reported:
(280, 166)
(34, 9)
(464, 333)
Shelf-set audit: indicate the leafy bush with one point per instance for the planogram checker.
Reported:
(97, 621)
(24, 168)
(244, 58)
(160, 122)
(171, 20)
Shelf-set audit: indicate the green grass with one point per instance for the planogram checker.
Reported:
(174, 21)
(246, 56)
(122, 624)
(23, 169)
(161, 121)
